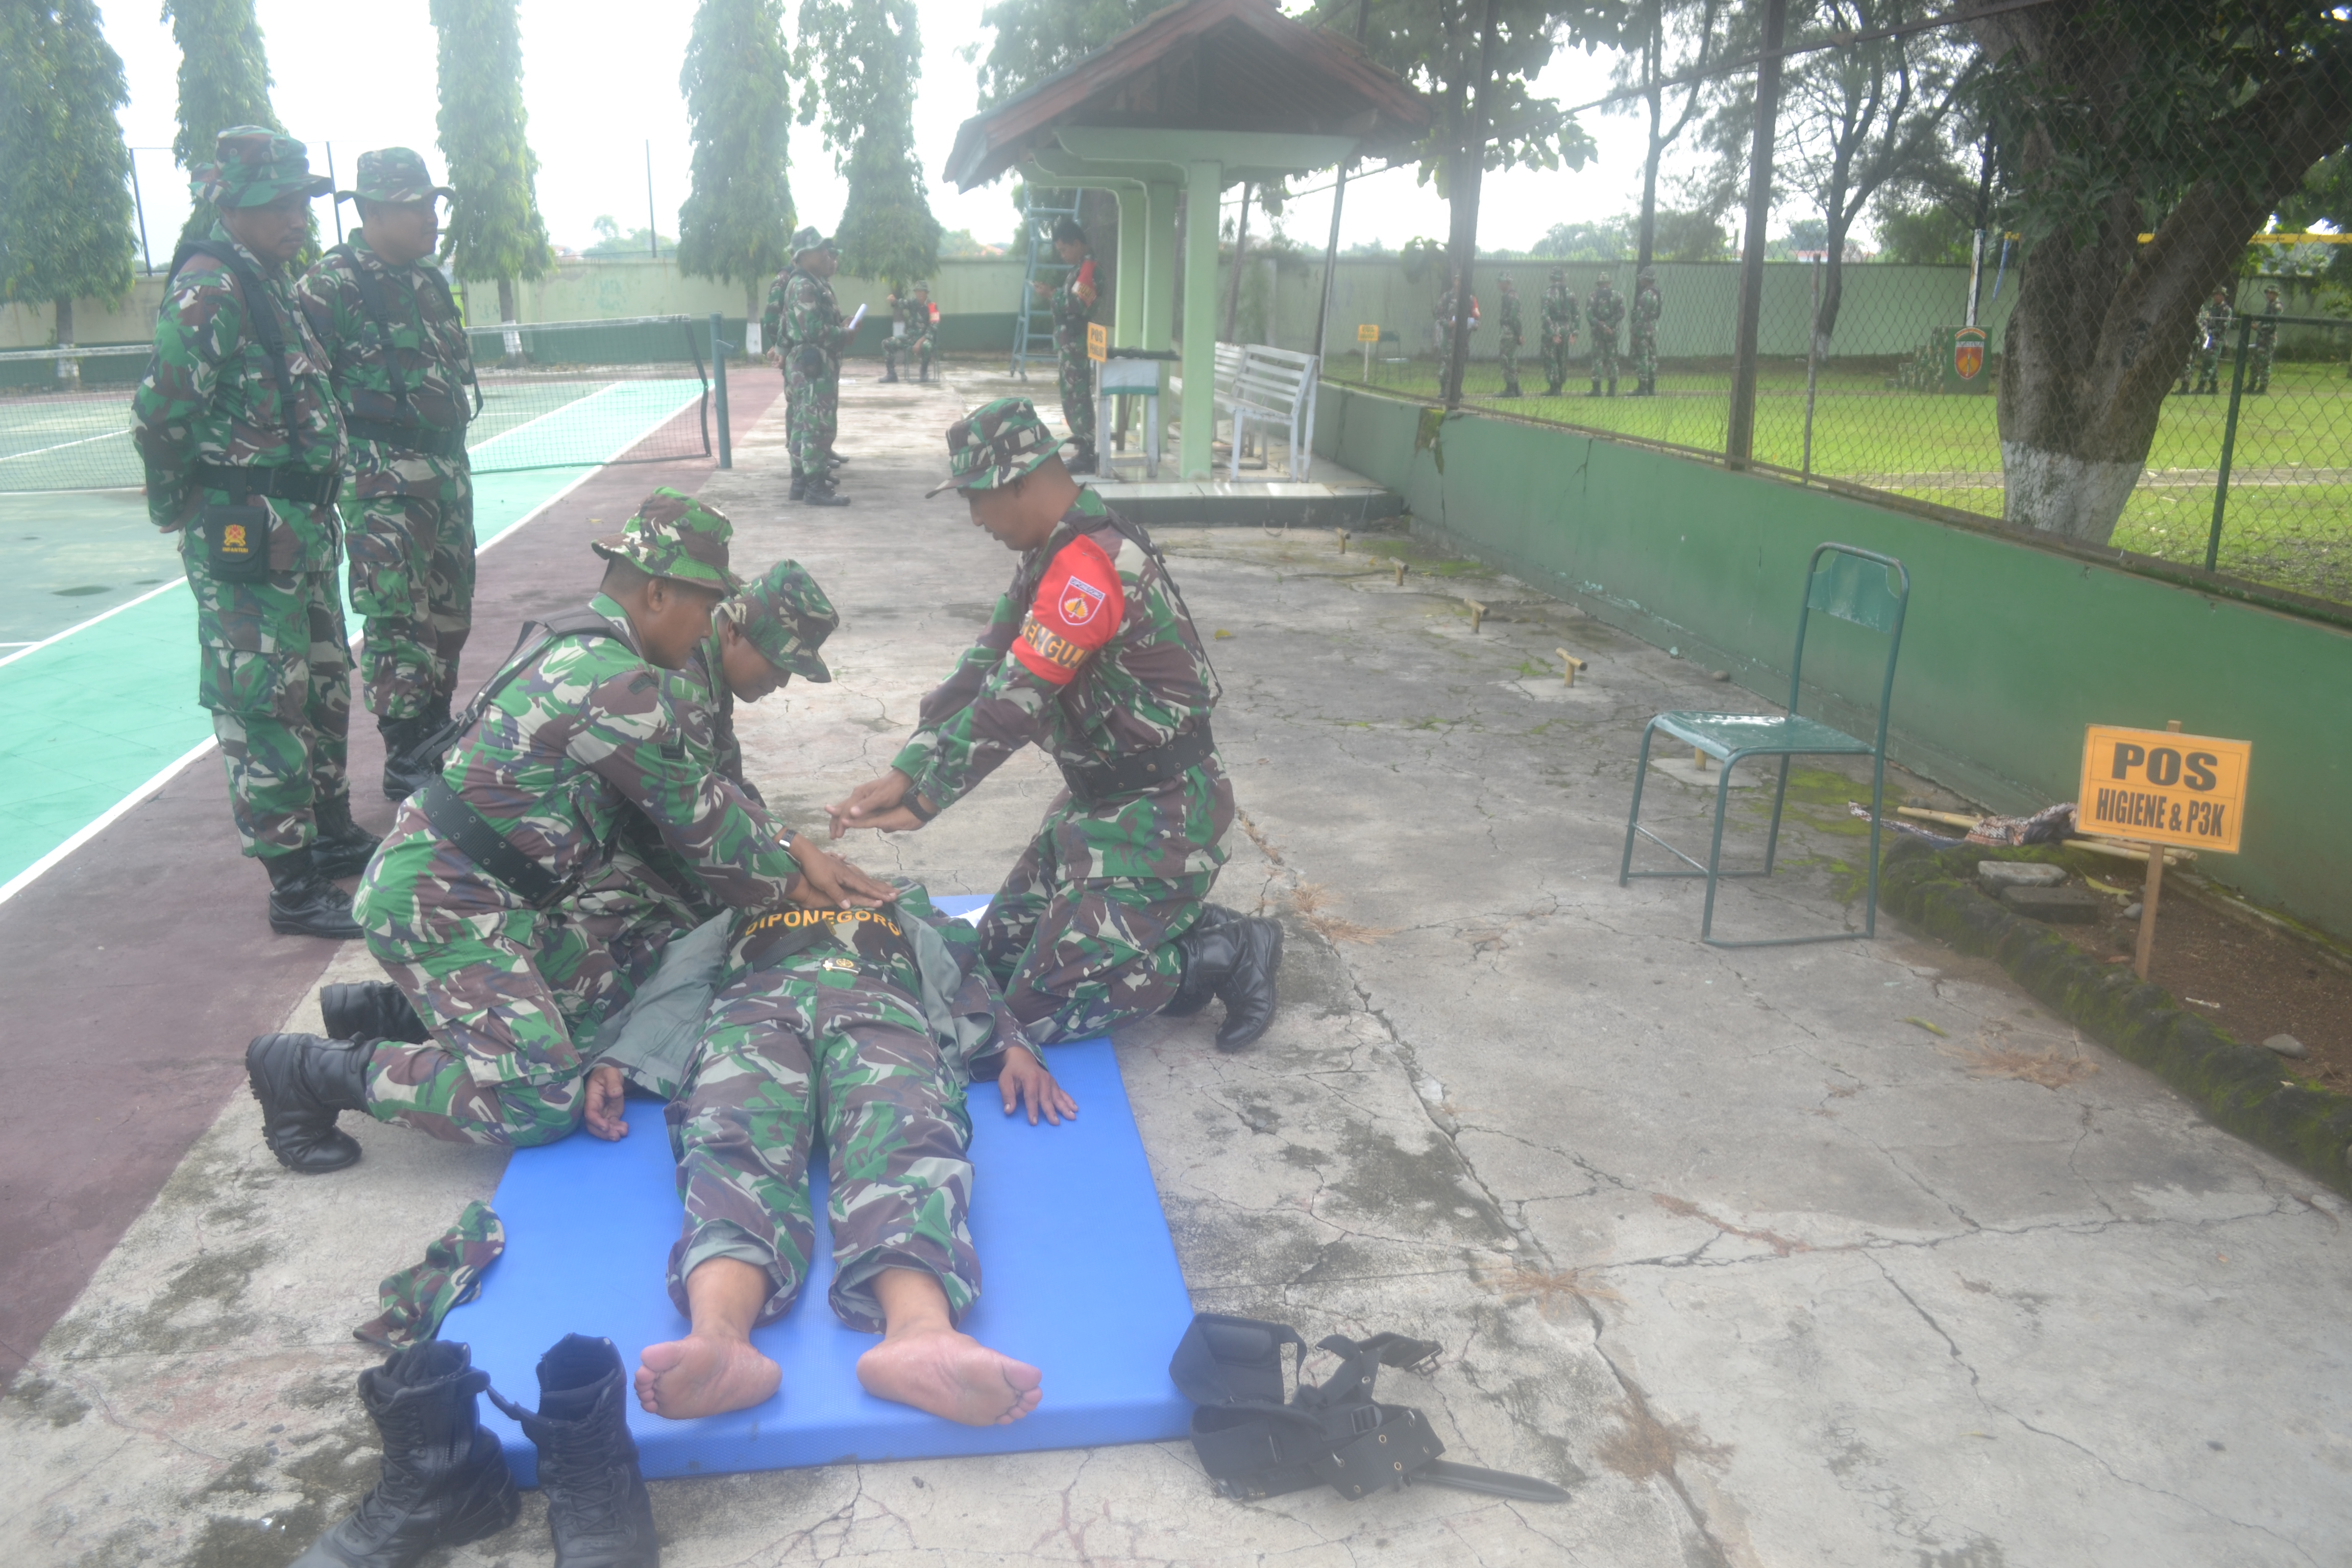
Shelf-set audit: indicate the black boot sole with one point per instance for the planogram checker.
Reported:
(344, 930)
(336, 862)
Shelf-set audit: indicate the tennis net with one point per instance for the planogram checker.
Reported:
(554, 394)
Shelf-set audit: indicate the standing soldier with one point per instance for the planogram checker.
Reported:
(1073, 303)
(1511, 333)
(1604, 312)
(1445, 316)
(803, 321)
(1559, 330)
(2258, 371)
(2212, 332)
(237, 426)
(912, 340)
(1647, 307)
(1090, 656)
(402, 368)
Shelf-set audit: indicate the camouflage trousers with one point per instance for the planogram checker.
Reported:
(1076, 373)
(2209, 367)
(1555, 360)
(1604, 357)
(811, 411)
(792, 1049)
(1645, 353)
(273, 669)
(1082, 935)
(914, 352)
(412, 583)
(1510, 357)
(2258, 366)
(511, 999)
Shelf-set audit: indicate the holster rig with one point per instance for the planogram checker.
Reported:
(1255, 1444)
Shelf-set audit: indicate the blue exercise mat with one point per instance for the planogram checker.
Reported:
(1078, 1278)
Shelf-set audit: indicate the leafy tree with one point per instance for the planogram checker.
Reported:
(2324, 200)
(65, 203)
(961, 243)
(871, 54)
(2193, 122)
(1936, 235)
(611, 241)
(737, 216)
(1690, 31)
(495, 228)
(1035, 38)
(224, 82)
(1583, 242)
(1689, 237)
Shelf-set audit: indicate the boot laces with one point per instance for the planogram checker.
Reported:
(591, 1480)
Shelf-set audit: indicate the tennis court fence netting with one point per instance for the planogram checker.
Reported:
(554, 394)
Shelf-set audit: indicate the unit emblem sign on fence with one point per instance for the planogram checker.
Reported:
(2160, 786)
(1967, 352)
(1097, 342)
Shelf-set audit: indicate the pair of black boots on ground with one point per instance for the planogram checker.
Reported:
(445, 1482)
(819, 489)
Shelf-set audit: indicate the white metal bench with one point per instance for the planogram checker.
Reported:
(1270, 388)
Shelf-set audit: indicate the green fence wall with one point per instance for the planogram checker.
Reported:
(2012, 646)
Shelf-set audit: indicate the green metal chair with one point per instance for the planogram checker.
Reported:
(1859, 586)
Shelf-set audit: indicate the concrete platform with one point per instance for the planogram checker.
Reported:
(1333, 498)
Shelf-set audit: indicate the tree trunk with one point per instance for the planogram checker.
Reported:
(1653, 63)
(1461, 196)
(506, 300)
(68, 369)
(1241, 254)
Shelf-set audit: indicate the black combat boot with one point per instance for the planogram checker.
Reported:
(1612, 386)
(342, 847)
(405, 773)
(822, 491)
(1596, 388)
(303, 1083)
(1552, 390)
(304, 903)
(445, 1480)
(371, 1010)
(891, 374)
(1193, 993)
(597, 1509)
(799, 486)
(1236, 963)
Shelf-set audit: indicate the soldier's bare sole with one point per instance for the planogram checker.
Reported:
(703, 1374)
(933, 1367)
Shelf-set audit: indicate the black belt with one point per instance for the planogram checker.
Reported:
(485, 845)
(407, 437)
(1142, 771)
(305, 485)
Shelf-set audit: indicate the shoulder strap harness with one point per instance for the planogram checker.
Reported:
(374, 305)
(261, 319)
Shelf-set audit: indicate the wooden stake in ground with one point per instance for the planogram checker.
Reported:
(2149, 896)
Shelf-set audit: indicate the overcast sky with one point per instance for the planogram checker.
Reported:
(600, 82)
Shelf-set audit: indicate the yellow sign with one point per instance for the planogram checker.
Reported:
(1097, 342)
(2159, 786)
(1370, 333)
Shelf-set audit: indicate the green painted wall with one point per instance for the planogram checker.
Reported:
(2011, 647)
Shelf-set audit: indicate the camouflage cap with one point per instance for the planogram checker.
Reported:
(787, 618)
(809, 239)
(678, 537)
(1647, 275)
(994, 444)
(394, 174)
(252, 167)
(1559, 274)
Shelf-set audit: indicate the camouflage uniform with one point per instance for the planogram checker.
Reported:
(804, 321)
(514, 991)
(832, 1033)
(1074, 303)
(2212, 338)
(210, 422)
(1559, 329)
(2265, 345)
(1091, 656)
(1513, 332)
(1648, 306)
(1604, 312)
(401, 379)
(915, 344)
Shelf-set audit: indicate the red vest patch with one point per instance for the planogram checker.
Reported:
(1077, 609)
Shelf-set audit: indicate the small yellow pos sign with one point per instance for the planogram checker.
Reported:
(2160, 786)
(1097, 342)
(1368, 332)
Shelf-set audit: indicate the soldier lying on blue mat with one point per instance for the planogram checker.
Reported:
(870, 1023)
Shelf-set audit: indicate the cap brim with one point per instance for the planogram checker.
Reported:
(809, 668)
(1036, 460)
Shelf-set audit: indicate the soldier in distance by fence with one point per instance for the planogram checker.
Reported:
(2263, 351)
(1559, 330)
(1510, 333)
(236, 425)
(1604, 312)
(1648, 306)
(914, 335)
(803, 322)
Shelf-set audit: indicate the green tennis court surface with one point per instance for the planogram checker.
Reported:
(91, 716)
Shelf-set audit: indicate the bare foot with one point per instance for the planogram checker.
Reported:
(703, 1374)
(950, 1375)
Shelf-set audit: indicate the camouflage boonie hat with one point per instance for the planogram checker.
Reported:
(1647, 275)
(678, 537)
(253, 166)
(1559, 274)
(394, 174)
(994, 444)
(787, 618)
(809, 239)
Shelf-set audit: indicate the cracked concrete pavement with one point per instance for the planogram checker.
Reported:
(1846, 1254)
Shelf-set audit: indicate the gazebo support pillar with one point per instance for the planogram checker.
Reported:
(1159, 285)
(1204, 184)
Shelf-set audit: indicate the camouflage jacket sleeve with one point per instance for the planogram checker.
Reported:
(1104, 664)
(1074, 301)
(1647, 308)
(771, 318)
(812, 316)
(196, 332)
(704, 710)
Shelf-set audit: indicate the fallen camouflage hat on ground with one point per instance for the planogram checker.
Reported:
(678, 537)
(787, 618)
(994, 444)
(253, 166)
(394, 174)
(809, 239)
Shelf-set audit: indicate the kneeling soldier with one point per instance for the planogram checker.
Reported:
(871, 1022)
(1091, 656)
(461, 907)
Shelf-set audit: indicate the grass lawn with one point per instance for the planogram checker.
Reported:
(2288, 522)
